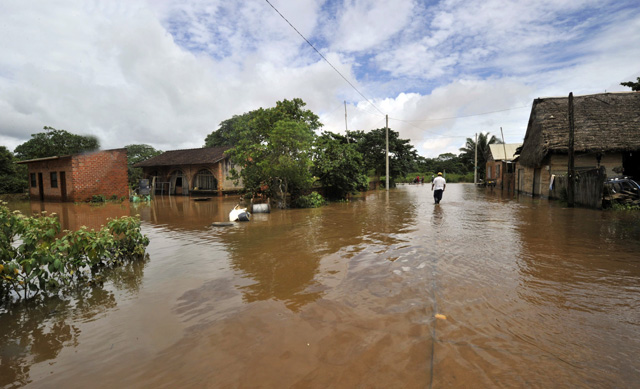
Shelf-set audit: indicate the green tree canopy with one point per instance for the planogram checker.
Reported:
(338, 165)
(13, 178)
(635, 86)
(54, 142)
(468, 152)
(230, 130)
(273, 146)
(372, 146)
(138, 153)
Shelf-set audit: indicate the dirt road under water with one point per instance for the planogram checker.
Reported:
(531, 295)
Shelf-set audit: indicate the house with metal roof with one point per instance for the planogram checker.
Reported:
(190, 172)
(501, 166)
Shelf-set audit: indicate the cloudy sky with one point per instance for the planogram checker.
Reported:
(166, 73)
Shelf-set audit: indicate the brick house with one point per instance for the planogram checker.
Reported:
(501, 166)
(190, 172)
(79, 177)
(606, 134)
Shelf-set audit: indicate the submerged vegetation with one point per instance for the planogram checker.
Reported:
(37, 258)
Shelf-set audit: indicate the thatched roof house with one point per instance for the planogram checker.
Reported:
(606, 135)
(604, 123)
(190, 171)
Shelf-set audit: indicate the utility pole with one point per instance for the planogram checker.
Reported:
(475, 164)
(386, 128)
(346, 130)
(572, 170)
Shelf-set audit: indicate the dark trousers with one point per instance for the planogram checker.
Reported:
(437, 195)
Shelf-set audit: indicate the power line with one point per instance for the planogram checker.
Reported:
(326, 60)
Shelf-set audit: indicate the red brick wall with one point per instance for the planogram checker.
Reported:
(100, 173)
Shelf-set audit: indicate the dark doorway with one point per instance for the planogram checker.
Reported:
(40, 187)
(63, 187)
(179, 185)
(631, 164)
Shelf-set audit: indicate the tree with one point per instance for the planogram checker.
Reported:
(13, 178)
(372, 146)
(230, 130)
(273, 146)
(54, 142)
(338, 165)
(138, 153)
(469, 150)
(635, 86)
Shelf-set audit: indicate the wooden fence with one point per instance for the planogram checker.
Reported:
(588, 188)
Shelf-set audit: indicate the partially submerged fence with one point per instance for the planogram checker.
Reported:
(589, 185)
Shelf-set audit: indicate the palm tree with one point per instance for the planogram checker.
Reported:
(468, 152)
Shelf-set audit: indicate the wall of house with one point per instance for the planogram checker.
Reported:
(100, 173)
(219, 170)
(526, 183)
(493, 171)
(557, 164)
(45, 168)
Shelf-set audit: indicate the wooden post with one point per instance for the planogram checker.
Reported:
(572, 172)
(475, 164)
(386, 127)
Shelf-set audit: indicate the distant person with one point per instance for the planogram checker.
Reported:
(439, 184)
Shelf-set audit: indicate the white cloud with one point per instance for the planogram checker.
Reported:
(362, 24)
(167, 73)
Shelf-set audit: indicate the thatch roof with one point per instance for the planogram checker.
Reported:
(497, 151)
(201, 156)
(605, 122)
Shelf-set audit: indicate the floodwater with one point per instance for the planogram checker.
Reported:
(527, 293)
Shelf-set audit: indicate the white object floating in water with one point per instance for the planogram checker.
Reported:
(239, 214)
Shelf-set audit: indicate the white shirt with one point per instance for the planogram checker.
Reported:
(439, 183)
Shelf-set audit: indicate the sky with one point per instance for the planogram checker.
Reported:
(166, 73)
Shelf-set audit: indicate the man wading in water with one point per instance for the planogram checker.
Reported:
(439, 183)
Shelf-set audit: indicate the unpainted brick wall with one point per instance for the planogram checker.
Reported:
(100, 173)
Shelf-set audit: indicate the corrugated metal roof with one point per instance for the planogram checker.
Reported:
(498, 151)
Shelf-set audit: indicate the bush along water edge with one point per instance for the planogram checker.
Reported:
(38, 259)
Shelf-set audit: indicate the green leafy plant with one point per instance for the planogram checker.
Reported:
(98, 198)
(312, 200)
(36, 258)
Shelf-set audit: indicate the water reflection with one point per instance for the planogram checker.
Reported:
(73, 216)
(32, 332)
(346, 296)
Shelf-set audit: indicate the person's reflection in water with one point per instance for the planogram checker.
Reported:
(438, 216)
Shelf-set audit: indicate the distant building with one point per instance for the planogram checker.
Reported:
(607, 134)
(79, 177)
(190, 171)
(501, 165)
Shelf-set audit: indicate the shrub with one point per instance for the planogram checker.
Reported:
(312, 200)
(41, 262)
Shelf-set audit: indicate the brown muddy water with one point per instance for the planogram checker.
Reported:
(532, 295)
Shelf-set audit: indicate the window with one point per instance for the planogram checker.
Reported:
(497, 171)
(205, 180)
(54, 179)
(33, 180)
